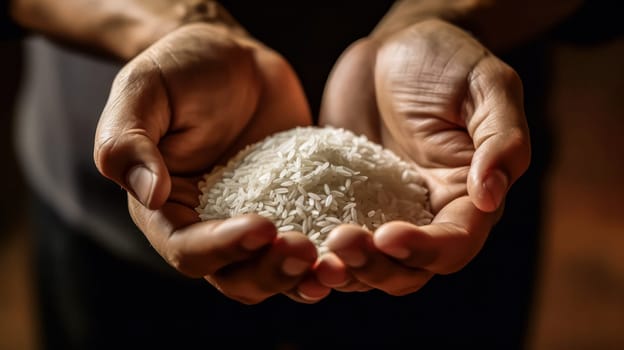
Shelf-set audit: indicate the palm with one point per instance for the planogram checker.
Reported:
(189, 102)
(418, 109)
(436, 97)
(223, 93)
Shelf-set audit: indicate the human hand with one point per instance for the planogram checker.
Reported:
(435, 96)
(188, 102)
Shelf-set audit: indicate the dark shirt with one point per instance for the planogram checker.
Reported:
(65, 92)
(8, 29)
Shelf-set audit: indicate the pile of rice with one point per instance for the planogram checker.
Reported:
(311, 179)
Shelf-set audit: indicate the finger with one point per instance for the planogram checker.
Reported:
(445, 246)
(330, 271)
(354, 286)
(200, 248)
(345, 107)
(125, 149)
(278, 270)
(355, 247)
(495, 119)
(309, 290)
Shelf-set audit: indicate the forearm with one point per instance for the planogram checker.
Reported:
(117, 28)
(500, 25)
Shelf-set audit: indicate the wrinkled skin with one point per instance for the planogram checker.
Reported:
(438, 98)
(429, 92)
(190, 101)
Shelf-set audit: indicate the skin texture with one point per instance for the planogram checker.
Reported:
(187, 103)
(435, 96)
(117, 29)
(426, 89)
(430, 92)
(200, 92)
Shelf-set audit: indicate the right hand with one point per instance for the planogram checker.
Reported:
(439, 99)
(188, 102)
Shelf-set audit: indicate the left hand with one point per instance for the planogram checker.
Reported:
(189, 102)
(437, 97)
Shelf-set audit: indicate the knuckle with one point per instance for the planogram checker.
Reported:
(363, 48)
(521, 142)
(134, 76)
(183, 263)
(175, 260)
(510, 78)
(110, 154)
(102, 154)
(239, 61)
(239, 56)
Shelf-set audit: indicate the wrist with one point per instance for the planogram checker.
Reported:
(157, 22)
(406, 13)
(499, 25)
(120, 29)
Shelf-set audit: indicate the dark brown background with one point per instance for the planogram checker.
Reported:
(581, 295)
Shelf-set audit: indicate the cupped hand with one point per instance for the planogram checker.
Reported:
(189, 102)
(437, 97)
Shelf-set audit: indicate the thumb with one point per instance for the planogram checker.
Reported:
(135, 117)
(499, 130)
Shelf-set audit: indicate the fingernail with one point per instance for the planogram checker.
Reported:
(253, 241)
(141, 181)
(307, 297)
(495, 186)
(337, 285)
(294, 267)
(397, 252)
(352, 258)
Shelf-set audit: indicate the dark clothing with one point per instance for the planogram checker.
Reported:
(92, 299)
(8, 28)
(102, 286)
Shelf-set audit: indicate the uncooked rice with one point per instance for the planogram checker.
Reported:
(312, 179)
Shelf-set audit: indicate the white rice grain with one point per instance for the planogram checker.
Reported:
(313, 179)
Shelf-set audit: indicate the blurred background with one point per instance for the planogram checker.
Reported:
(580, 299)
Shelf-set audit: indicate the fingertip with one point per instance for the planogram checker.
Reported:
(297, 245)
(132, 160)
(147, 187)
(294, 267)
(330, 271)
(495, 186)
(344, 235)
(141, 183)
(391, 238)
(298, 252)
(311, 290)
(488, 194)
(257, 231)
(351, 243)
